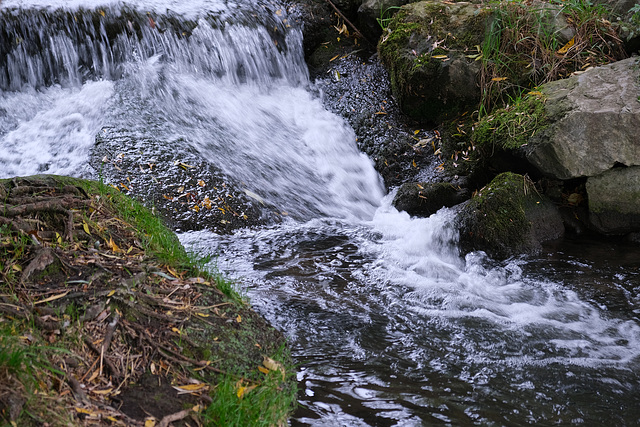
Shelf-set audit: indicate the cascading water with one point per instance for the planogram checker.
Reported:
(389, 325)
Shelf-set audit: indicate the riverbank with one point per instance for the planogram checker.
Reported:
(106, 320)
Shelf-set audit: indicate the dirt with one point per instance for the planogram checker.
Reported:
(127, 338)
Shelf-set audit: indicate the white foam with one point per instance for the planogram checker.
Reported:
(54, 130)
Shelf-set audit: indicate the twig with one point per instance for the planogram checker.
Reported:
(353, 27)
(114, 371)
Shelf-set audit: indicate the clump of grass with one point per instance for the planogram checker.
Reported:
(524, 46)
(254, 400)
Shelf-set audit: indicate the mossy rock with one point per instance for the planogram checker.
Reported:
(508, 217)
(430, 50)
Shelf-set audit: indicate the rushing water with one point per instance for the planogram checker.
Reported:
(389, 325)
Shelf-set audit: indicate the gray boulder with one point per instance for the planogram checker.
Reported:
(594, 123)
(614, 200)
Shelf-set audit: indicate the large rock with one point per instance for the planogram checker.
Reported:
(429, 50)
(508, 217)
(614, 200)
(594, 123)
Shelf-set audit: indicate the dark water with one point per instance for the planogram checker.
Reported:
(389, 325)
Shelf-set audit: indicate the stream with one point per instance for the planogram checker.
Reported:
(388, 324)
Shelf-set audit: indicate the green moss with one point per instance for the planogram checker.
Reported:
(510, 128)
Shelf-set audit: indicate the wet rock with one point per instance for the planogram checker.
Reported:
(424, 199)
(614, 200)
(188, 192)
(359, 91)
(508, 217)
(594, 123)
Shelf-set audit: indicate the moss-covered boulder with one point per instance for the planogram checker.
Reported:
(430, 49)
(424, 199)
(508, 217)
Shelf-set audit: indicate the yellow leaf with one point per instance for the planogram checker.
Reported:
(417, 131)
(113, 245)
(149, 422)
(535, 92)
(84, 411)
(16, 267)
(439, 56)
(263, 369)
(190, 388)
(177, 331)
(564, 49)
(53, 298)
(111, 293)
(202, 314)
(196, 208)
(86, 227)
(201, 183)
(413, 163)
(206, 203)
(334, 58)
(242, 390)
(58, 238)
(172, 271)
(498, 79)
(239, 319)
(107, 391)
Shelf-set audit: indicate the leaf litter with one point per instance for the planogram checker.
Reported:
(133, 341)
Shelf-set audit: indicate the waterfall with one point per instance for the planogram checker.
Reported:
(389, 323)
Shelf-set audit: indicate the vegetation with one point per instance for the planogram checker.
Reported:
(103, 311)
(529, 44)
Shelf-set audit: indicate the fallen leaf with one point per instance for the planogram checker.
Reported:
(272, 365)
(107, 391)
(149, 422)
(439, 56)
(201, 183)
(86, 227)
(53, 298)
(113, 245)
(111, 293)
(242, 390)
(239, 319)
(564, 49)
(498, 79)
(190, 388)
(263, 369)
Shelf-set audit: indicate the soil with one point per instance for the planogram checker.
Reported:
(132, 339)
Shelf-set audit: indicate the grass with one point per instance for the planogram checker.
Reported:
(524, 46)
(255, 402)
